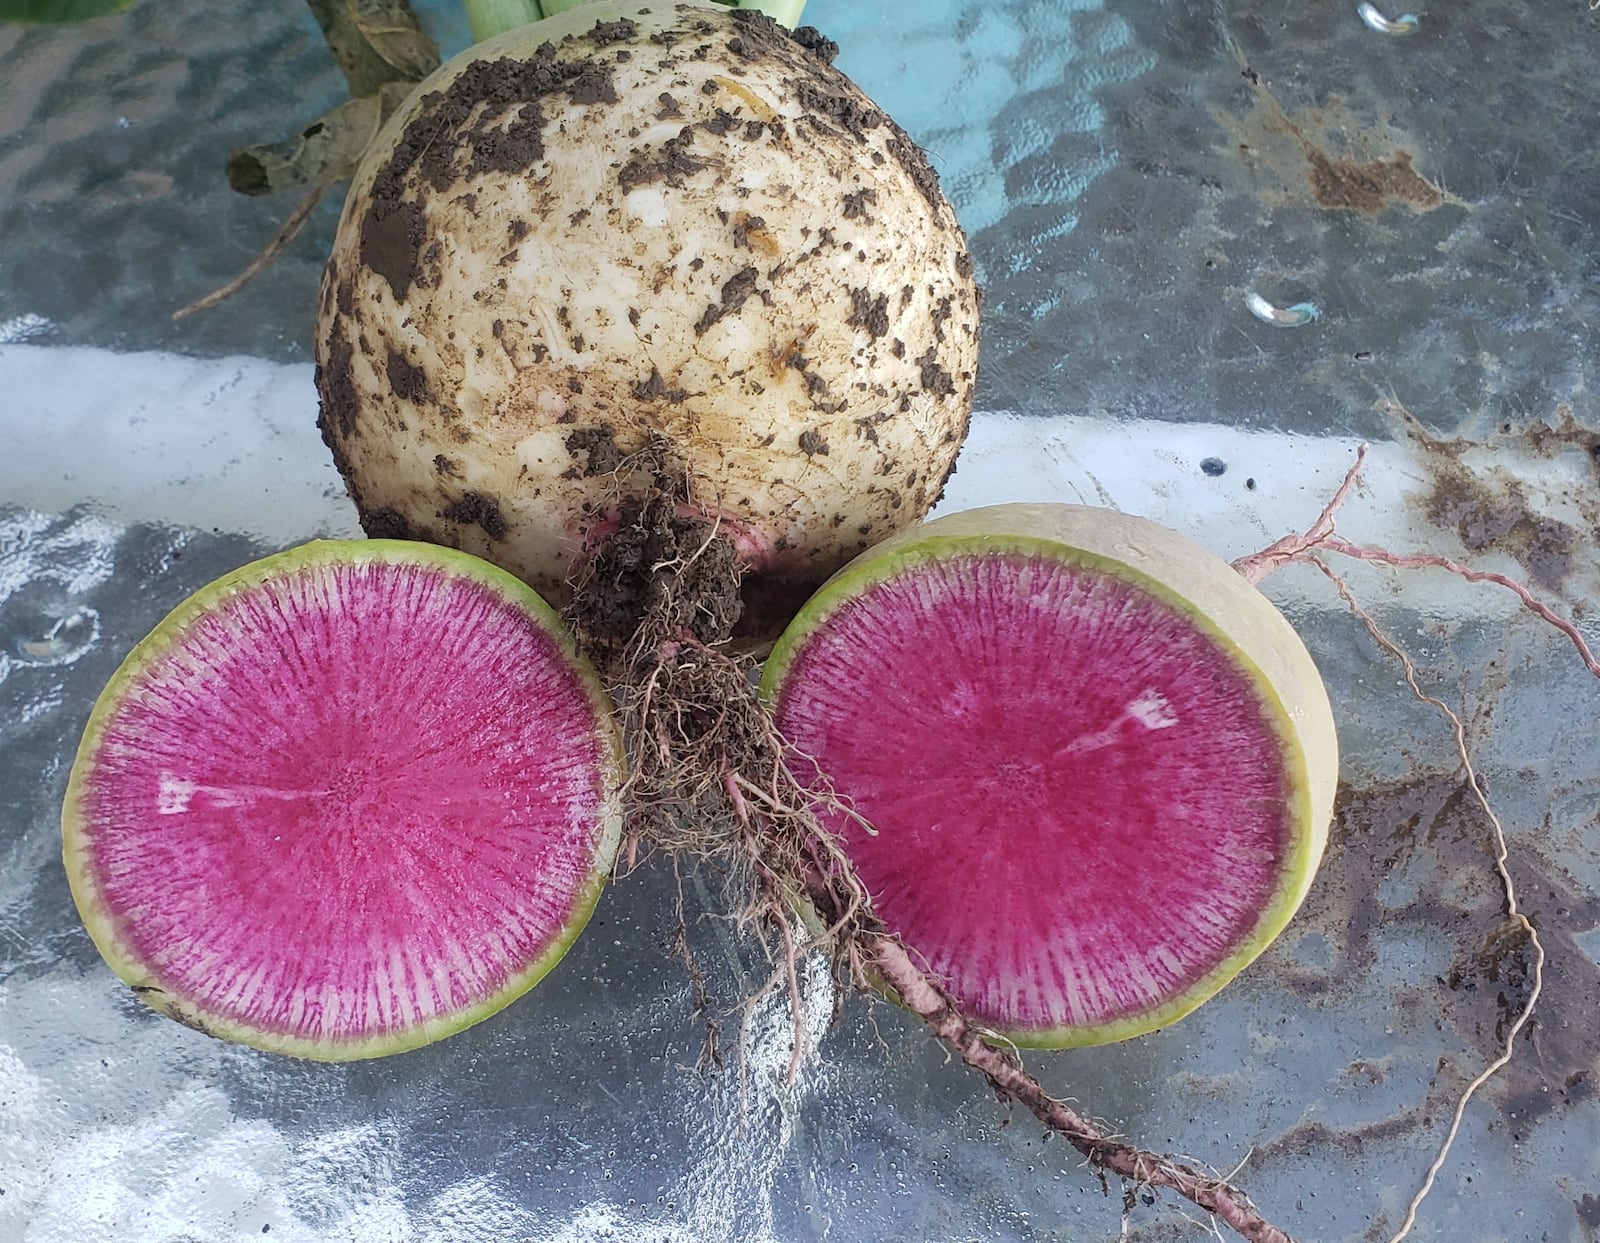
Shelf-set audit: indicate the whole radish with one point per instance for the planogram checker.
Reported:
(643, 253)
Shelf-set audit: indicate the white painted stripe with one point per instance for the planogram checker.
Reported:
(228, 444)
(231, 444)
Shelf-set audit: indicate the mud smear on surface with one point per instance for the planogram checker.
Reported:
(1430, 827)
(1368, 186)
(1550, 440)
(1491, 512)
(1588, 1209)
(1312, 1137)
(1359, 171)
(1483, 520)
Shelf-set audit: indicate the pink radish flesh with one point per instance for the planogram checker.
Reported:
(1078, 794)
(349, 801)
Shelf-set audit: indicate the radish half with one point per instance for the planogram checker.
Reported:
(1098, 765)
(344, 801)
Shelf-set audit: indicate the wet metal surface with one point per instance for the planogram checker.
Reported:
(1218, 241)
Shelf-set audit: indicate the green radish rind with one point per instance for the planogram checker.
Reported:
(105, 928)
(1186, 576)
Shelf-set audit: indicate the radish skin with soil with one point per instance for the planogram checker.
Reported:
(345, 801)
(641, 242)
(1089, 768)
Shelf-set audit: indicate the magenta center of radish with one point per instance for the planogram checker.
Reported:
(353, 800)
(1079, 796)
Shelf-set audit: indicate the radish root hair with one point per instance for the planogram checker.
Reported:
(712, 781)
(1306, 547)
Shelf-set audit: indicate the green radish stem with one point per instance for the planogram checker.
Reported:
(784, 11)
(493, 17)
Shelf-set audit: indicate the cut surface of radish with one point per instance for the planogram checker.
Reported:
(344, 801)
(1097, 765)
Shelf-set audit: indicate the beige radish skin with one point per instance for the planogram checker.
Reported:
(674, 222)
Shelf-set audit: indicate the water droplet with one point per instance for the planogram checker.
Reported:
(1377, 21)
(1296, 316)
(57, 641)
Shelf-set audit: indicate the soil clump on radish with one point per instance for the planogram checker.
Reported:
(655, 608)
(661, 573)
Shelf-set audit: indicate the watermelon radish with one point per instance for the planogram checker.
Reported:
(646, 240)
(344, 801)
(1097, 765)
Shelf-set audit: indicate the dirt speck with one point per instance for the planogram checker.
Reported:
(857, 202)
(869, 311)
(340, 414)
(669, 164)
(736, 291)
(622, 30)
(721, 124)
(867, 425)
(191, 1020)
(391, 240)
(655, 388)
(406, 381)
(815, 42)
(596, 449)
(830, 101)
(474, 508)
(750, 232)
(935, 379)
(388, 524)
